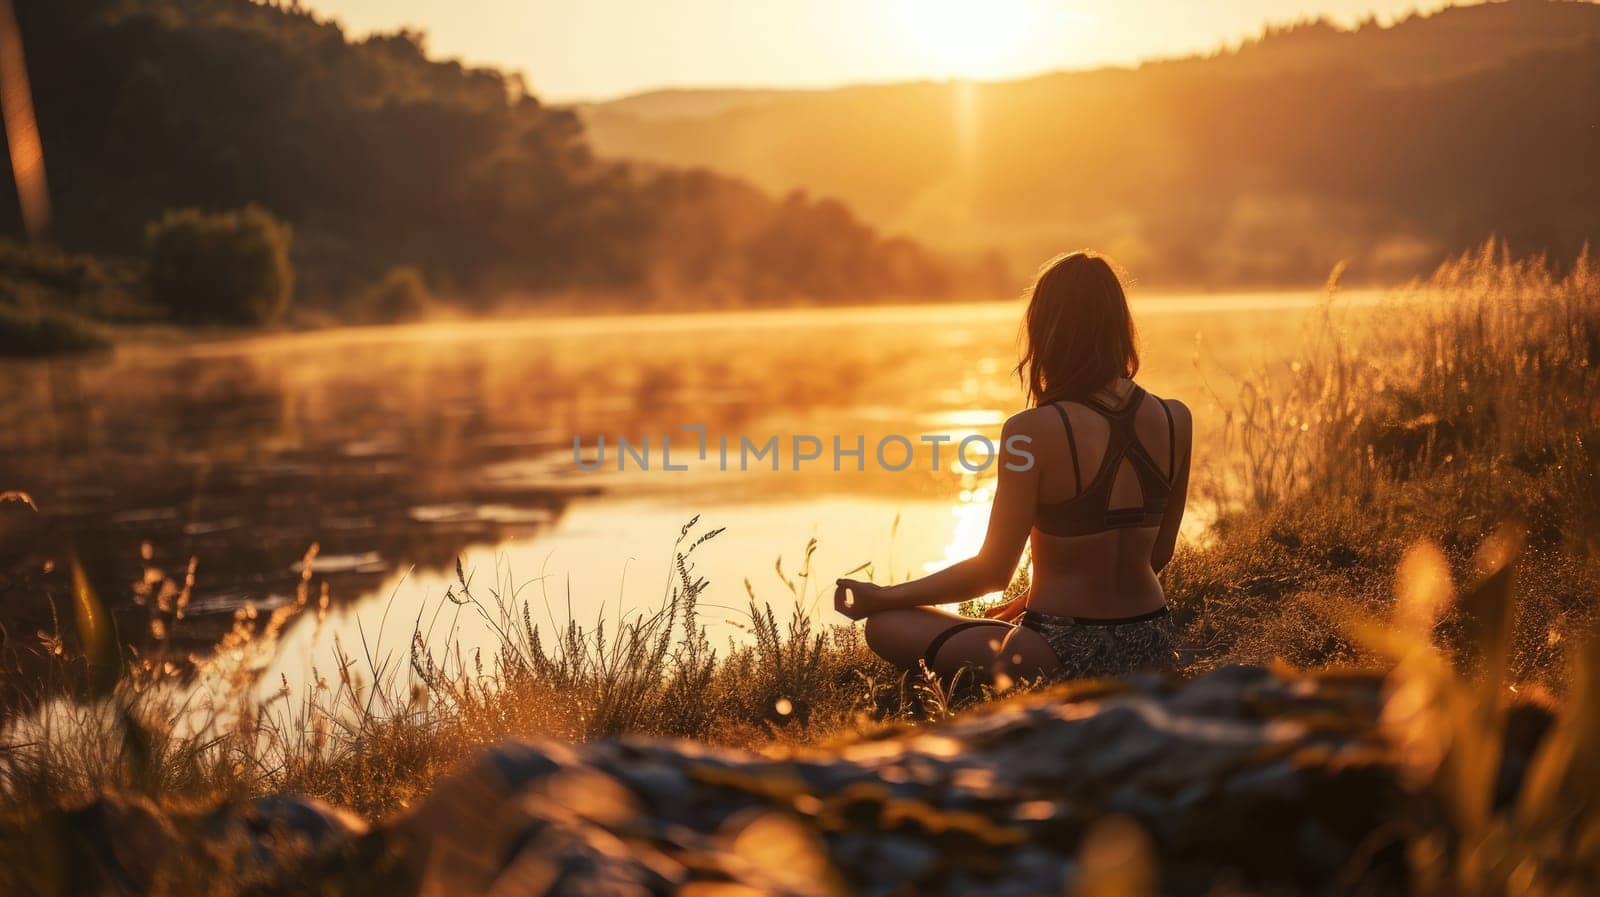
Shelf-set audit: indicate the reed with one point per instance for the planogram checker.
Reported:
(371, 733)
(1465, 402)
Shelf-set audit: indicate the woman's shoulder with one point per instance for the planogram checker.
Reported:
(1031, 421)
(1182, 417)
(1176, 406)
(1027, 416)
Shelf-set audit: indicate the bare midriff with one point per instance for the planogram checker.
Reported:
(1102, 575)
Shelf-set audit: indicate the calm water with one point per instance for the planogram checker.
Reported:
(399, 449)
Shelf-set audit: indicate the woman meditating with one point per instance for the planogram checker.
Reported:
(1100, 503)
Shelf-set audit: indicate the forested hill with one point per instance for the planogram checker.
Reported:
(1387, 146)
(379, 156)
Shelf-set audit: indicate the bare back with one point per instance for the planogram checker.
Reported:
(1112, 572)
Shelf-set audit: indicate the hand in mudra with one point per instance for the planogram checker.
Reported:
(856, 599)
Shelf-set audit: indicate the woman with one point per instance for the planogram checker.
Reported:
(1100, 504)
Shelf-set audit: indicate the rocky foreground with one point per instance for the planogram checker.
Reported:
(1245, 778)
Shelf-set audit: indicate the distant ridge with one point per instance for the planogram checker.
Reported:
(1445, 43)
(1389, 146)
(1450, 42)
(690, 102)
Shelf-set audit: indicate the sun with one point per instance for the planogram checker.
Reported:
(967, 38)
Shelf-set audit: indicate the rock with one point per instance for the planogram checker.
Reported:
(260, 837)
(112, 845)
(1265, 779)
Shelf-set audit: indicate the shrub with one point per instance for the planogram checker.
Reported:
(402, 295)
(230, 268)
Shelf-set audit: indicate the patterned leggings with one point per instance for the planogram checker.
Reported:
(1093, 649)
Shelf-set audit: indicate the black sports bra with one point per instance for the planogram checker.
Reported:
(1090, 510)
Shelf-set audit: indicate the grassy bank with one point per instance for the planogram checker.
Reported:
(1465, 408)
(54, 302)
(203, 273)
(1466, 405)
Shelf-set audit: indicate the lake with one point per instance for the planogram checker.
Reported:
(397, 450)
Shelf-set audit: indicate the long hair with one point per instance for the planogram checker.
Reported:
(1078, 334)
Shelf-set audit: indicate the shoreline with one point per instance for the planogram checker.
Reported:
(202, 341)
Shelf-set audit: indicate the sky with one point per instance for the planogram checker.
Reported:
(600, 49)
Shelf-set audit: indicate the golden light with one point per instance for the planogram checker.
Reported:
(21, 129)
(971, 515)
(967, 39)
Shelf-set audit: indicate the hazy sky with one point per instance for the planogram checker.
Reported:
(583, 49)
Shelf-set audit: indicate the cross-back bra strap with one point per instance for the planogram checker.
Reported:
(1072, 445)
(1172, 444)
(1099, 404)
(1125, 409)
(1134, 403)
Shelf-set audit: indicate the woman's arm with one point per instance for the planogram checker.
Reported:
(1167, 538)
(990, 570)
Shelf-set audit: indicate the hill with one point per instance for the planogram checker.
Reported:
(379, 156)
(1388, 146)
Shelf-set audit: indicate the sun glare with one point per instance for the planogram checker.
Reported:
(966, 39)
(971, 515)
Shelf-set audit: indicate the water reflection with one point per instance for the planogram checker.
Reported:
(398, 449)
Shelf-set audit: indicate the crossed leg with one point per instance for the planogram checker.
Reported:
(902, 637)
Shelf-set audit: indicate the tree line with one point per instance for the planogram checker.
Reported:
(384, 166)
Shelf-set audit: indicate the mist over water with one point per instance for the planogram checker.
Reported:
(397, 450)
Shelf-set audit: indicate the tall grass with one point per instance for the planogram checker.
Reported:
(372, 732)
(1462, 403)
(1489, 364)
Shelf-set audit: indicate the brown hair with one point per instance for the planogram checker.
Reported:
(1078, 334)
